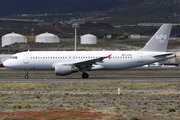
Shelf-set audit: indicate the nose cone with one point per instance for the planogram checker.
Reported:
(6, 63)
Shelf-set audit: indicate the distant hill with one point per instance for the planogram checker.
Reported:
(157, 2)
(9, 7)
(135, 11)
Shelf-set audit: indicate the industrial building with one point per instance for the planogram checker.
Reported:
(47, 38)
(88, 39)
(12, 38)
(135, 36)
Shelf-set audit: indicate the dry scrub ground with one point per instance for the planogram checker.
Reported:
(143, 100)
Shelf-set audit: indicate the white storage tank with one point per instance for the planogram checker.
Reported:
(12, 38)
(88, 39)
(47, 38)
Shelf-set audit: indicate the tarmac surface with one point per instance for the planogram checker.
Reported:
(130, 69)
(91, 79)
(101, 78)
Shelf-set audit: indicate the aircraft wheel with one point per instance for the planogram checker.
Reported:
(85, 75)
(26, 77)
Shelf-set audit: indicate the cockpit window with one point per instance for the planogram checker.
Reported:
(14, 57)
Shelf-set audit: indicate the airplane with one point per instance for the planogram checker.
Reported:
(67, 62)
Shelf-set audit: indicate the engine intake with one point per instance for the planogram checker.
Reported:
(65, 70)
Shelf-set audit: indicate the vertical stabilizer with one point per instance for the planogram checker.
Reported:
(160, 39)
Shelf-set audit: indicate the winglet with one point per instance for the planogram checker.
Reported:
(109, 56)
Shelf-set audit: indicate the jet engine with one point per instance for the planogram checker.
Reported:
(65, 70)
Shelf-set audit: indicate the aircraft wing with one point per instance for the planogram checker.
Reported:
(85, 63)
(89, 63)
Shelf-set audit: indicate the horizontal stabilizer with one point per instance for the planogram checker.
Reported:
(164, 55)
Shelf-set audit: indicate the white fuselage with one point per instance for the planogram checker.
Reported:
(46, 60)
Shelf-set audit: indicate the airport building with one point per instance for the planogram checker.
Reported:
(135, 36)
(47, 38)
(88, 39)
(12, 38)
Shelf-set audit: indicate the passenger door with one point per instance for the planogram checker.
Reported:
(26, 58)
(140, 57)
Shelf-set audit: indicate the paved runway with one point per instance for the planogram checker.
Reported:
(92, 79)
(130, 69)
(102, 78)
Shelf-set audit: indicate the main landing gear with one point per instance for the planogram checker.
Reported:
(85, 75)
(26, 76)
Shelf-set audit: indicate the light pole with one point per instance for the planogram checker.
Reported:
(75, 25)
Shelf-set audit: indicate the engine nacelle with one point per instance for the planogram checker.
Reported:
(64, 70)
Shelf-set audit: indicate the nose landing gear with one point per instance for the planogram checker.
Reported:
(26, 76)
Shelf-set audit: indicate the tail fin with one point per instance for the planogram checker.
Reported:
(160, 39)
